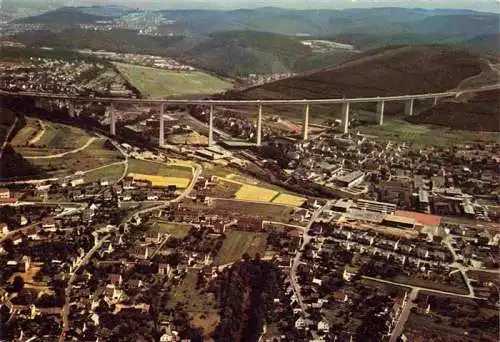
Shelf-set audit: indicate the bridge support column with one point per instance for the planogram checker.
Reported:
(409, 107)
(380, 112)
(259, 127)
(211, 127)
(71, 109)
(162, 125)
(112, 120)
(436, 99)
(345, 114)
(305, 129)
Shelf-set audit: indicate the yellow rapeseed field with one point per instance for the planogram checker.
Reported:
(162, 181)
(286, 199)
(255, 193)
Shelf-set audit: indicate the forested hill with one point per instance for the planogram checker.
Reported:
(382, 72)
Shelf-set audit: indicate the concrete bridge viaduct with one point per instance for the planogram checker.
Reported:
(409, 101)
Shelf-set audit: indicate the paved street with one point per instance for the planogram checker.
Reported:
(306, 238)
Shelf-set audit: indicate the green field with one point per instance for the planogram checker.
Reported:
(110, 173)
(397, 129)
(264, 211)
(386, 287)
(26, 133)
(194, 299)
(96, 155)
(177, 230)
(456, 286)
(237, 243)
(159, 83)
(158, 169)
(49, 136)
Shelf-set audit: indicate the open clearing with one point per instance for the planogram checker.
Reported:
(187, 293)
(397, 129)
(27, 133)
(160, 83)
(96, 155)
(286, 199)
(255, 193)
(55, 136)
(237, 243)
(248, 192)
(160, 169)
(161, 181)
(457, 286)
(207, 321)
(177, 230)
(193, 138)
(111, 173)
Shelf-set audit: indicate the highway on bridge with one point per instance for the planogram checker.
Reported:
(74, 98)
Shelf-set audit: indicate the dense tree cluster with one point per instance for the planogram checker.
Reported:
(245, 294)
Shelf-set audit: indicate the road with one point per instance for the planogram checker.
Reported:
(125, 155)
(60, 155)
(403, 315)
(205, 126)
(39, 181)
(39, 135)
(165, 239)
(296, 260)
(67, 292)
(7, 136)
(405, 312)
(17, 231)
(446, 293)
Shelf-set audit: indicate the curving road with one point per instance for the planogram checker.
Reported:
(60, 155)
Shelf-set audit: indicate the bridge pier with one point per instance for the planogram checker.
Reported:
(305, 129)
(259, 126)
(436, 99)
(211, 127)
(345, 113)
(380, 112)
(162, 125)
(112, 123)
(71, 109)
(409, 107)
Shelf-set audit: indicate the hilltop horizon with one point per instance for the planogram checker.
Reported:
(479, 5)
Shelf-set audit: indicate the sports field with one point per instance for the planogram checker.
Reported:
(159, 83)
(237, 243)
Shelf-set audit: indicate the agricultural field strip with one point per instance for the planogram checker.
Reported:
(255, 193)
(161, 181)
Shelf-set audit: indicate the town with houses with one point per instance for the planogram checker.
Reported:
(88, 260)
